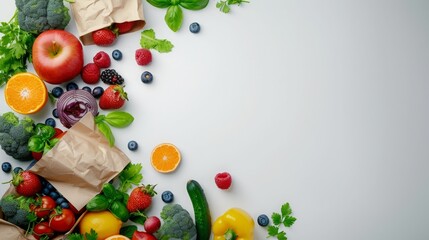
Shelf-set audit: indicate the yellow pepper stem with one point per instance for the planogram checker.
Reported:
(230, 235)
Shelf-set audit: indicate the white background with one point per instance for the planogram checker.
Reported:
(322, 104)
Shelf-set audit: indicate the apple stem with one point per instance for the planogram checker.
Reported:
(55, 48)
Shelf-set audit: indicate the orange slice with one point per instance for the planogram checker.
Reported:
(165, 158)
(117, 237)
(25, 93)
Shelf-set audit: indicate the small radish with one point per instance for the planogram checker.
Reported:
(152, 224)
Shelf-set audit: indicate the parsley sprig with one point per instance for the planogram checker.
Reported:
(224, 6)
(284, 218)
(15, 49)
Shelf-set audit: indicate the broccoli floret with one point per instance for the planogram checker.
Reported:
(16, 210)
(36, 16)
(14, 135)
(178, 224)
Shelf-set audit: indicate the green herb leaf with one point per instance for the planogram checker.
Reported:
(285, 218)
(286, 210)
(174, 17)
(149, 41)
(131, 175)
(128, 230)
(138, 217)
(277, 218)
(223, 6)
(273, 231)
(107, 132)
(119, 119)
(194, 4)
(288, 221)
(281, 236)
(160, 3)
(92, 235)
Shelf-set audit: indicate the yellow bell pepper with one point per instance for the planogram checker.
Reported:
(234, 224)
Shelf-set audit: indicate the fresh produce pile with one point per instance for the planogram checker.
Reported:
(37, 34)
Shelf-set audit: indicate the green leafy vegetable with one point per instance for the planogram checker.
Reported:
(283, 218)
(128, 230)
(116, 119)
(92, 235)
(131, 175)
(174, 15)
(149, 41)
(224, 6)
(43, 140)
(15, 49)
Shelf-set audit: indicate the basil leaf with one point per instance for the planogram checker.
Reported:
(36, 144)
(160, 3)
(194, 4)
(128, 230)
(174, 17)
(119, 119)
(109, 190)
(107, 132)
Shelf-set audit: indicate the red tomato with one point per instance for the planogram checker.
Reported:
(37, 155)
(58, 132)
(62, 220)
(42, 230)
(139, 235)
(44, 206)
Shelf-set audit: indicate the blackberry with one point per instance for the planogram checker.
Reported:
(111, 77)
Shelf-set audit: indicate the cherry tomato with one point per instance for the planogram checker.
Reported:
(44, 206)
(62, 220)
(58, 133)
(42, 230)
(37, 155)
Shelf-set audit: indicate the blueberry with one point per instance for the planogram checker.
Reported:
(194, 27)
(54, 195)
(17, 170)
(133, 145)
(50, 186)
(6, 167)
(146, 77)
(86, 88)
(97, 92)
(72, 86)
(65, 204)
(50, 122)
(60, 200)
(55, 113)
(167, 196)
(46, 191)
(57, 92)
(263, 220)
(116, 54)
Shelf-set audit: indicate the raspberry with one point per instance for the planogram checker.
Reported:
(102, 59)
(143, 56)
(223, 180)
(111, 77)
(90, 73)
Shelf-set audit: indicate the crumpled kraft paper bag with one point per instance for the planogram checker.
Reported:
(91, 15)
(81, 162)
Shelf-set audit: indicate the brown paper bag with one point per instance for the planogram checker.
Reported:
(91, 15)
(81, 162)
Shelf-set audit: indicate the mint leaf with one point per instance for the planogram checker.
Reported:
(277, 218)
(148, 40)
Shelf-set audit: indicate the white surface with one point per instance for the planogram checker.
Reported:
(323, 104)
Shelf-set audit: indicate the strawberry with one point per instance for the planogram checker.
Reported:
(143, 56)
(223, 180)
(102, 59)
(90, 73)
(26, 183)
(140, 198)
(124, 27)
(113, 97)
(103, 37)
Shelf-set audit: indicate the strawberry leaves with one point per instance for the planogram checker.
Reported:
(283, 218)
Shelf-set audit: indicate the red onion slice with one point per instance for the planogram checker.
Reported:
(74, 104)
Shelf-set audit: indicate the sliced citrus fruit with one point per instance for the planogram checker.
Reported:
(165, 158)
(117, 237)
(25, 93)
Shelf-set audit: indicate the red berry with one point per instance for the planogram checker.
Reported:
(152, 224)
(143, 56)
(27, 183)
(90, 73)
(102, 59)
(103, 37)
(223, 180)
(113, 97)
(124, 27)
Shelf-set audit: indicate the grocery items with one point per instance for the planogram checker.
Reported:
(177, 223)
(104, 223)
(165, 158)
(141, 198)
(90, 73)
(25, 93)
(194, 27)
(14, 135)
(223, 180)
(117, 54)
(111, 77)
(152, 224)
(146, 77)
(102, 59)
(235, 223)
(167, 196)
(202, 216)
(143, 56)
(74, 104)
(113, 97)
(104, 37)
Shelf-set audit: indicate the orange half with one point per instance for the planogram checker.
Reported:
(25, 93)
(165, 158)
(117, 237)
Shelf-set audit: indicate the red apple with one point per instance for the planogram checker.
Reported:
(57, 56)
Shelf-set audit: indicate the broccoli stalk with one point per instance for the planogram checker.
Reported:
(14, 135)
(36, 16)
(16, 210)
(178, 224)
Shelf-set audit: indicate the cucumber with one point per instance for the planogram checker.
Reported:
(203, 220)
